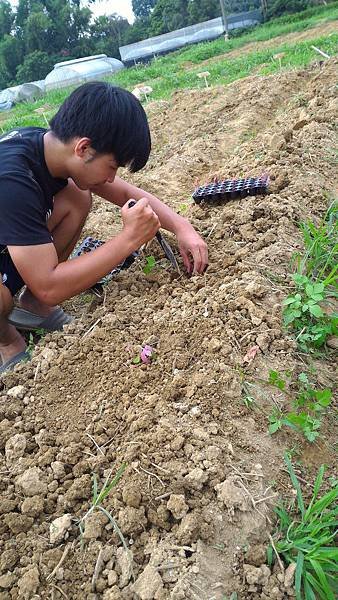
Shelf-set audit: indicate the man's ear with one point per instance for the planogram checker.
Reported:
(82, 148)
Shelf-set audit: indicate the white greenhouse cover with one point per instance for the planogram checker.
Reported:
(17, 93)
(208, 30)
(80, 70)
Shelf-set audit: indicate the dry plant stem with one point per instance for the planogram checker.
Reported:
(36, 372)
(95, 444)
(265, 499)
(59, 590)
(97, 570)
(62, 560)
(157, 466)
(163, 496)
(281, 566)
(253, 501)
(91, 328)
(152, 475)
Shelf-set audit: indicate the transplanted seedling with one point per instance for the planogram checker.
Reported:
(150, 264)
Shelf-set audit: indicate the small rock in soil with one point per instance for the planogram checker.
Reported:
(148, 584)
(58, 529)
(177, 506)
(29, 583)
(30, 483)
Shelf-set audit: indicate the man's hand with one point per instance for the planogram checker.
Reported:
(140, 222)
(193, 249)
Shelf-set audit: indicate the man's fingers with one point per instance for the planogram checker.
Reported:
(200, 258)
(186, 260)
(197, 258)
(205, 257)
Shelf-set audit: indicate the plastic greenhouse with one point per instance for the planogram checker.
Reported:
(80, 70)
(18, 93)
(208, 30)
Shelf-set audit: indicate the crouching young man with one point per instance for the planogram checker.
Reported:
(46, 180)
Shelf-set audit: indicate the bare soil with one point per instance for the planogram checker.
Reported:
(197, 457)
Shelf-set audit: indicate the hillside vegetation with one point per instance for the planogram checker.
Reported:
(226, 61)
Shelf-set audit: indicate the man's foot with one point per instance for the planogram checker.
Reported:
(15, 360)
(13, 343)
(30, 315)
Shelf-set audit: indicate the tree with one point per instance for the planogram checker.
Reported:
(199, 10)
(139, 30)
(36, 32)
(168, 15)
(6, 18)
(143, 8)
(36, 66)
(11, 54)
(276, 8)
(107, 34)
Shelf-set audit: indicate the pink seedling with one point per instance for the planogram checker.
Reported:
(147, 354)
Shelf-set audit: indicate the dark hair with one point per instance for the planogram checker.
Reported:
(111, 117)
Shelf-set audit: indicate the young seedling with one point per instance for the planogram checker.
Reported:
(150, 264)
(32, 341)
(306, 537)
(98, 498)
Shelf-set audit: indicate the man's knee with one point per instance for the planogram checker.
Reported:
(70, 202)
(79, 201)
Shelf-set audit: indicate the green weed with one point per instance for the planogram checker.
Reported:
(303, 312)
(307, 311)
(321, 246)
(98, 498)
(34, 338)
(306, 537)
(309, 404)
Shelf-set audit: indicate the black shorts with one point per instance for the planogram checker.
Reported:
(10, 276)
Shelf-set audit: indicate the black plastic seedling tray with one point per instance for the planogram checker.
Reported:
(230, 189)
(90, 244)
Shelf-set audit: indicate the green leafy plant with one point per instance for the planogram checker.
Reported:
(309, 405)
(306, 537)
(150, 264)
(307, 310)
(304, 313)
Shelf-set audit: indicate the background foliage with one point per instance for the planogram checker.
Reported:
(36, 34)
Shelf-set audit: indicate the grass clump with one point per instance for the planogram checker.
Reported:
(306, 537)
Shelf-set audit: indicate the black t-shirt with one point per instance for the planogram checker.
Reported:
(27, 189)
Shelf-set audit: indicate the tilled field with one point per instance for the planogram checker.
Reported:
(198, 459)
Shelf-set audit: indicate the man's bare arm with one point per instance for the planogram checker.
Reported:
(52, 282)
(193, 249)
